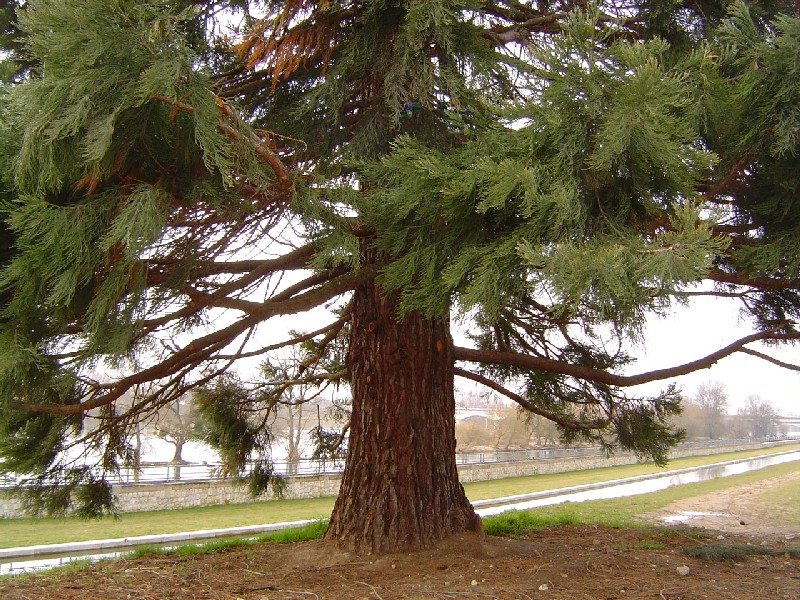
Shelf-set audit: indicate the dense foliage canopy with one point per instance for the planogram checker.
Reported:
(179, 175)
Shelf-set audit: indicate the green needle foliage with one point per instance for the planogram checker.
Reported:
(175, 174)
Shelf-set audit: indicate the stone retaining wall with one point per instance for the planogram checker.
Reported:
(162, 496)
(489, 471)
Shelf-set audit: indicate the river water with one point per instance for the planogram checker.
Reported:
(631, 486)
(597, 491)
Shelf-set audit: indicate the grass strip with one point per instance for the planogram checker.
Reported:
(29, 532)
(623, 512)
(312, 531)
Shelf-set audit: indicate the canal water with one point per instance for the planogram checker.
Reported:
(598, 491)
(632, 486)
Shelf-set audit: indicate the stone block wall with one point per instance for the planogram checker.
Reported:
(542, 466)
(165, 496)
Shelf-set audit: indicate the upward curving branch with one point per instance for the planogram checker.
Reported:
(604, 377)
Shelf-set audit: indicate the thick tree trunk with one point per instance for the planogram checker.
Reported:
(400, 489)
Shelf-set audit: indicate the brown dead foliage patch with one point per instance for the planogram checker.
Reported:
(575, 563)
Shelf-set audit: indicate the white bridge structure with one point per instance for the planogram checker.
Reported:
(790, 425)
(471, 414)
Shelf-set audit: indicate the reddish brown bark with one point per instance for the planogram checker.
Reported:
(400, 489)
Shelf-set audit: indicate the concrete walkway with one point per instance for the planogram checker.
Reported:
(143, 540)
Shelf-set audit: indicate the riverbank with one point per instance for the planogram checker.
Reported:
(47, 556)
(584, 559)
(29, 531)
(764, 509)
(477, 467)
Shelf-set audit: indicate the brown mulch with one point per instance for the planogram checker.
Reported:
(575, 563)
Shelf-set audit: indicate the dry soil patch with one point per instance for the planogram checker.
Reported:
(575, 563)
(748, 510)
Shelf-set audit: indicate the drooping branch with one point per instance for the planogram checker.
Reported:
(203, 348)
(604, 377)
(573, 425)
(329, 337)
(723, 186)
(261, 149)
(174, 103)
(712, 293)
(302, 374)
(771, 359)
(521, 32)
(335, 326)
(278, 387)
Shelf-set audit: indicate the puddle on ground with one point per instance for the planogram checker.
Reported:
(687, 516)
(606, 490)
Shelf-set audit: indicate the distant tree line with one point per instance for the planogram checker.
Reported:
(706, 415)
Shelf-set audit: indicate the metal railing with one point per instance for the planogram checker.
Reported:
(183, 472)
(173, 472)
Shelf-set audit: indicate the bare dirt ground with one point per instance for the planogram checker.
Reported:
(746, 510)
(575, 563)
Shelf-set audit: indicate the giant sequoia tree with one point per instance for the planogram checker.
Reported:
(548, 173)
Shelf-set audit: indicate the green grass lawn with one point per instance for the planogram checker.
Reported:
(29, 532)
(498, 488)
(25, 532)
(623, 512)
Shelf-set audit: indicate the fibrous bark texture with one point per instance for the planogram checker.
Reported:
(400, 489)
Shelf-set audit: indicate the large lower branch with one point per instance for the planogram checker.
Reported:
(604, 377)
(761, 283)
(296, 259)
(219, 299)
(201, 349)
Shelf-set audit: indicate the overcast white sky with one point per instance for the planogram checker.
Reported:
(687, 334)
(692, 332)
(709, 324)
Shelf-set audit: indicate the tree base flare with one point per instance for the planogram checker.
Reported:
(400, 490)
